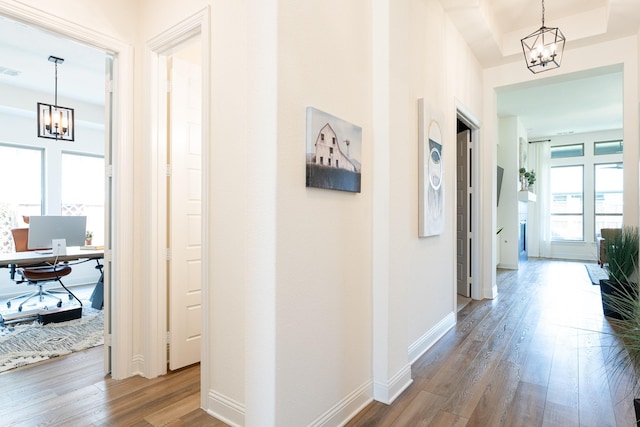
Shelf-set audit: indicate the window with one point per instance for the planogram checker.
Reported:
(608, 196)
(21, 175)
(82, 191)
(567, 203)
(607, 147)
(563, 151)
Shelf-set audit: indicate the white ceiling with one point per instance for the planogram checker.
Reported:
(492, 28)
(583, 102)
(26, 50)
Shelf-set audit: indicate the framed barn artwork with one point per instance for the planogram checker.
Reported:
(334, 152)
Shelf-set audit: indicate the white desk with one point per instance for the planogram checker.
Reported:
(25, 259)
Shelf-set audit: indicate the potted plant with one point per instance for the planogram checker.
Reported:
(620, 301)
(88, 237)
(527, 178)
(624, 357)
(622, 255)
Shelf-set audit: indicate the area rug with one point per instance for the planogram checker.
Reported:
(596, 273)
(33, 342)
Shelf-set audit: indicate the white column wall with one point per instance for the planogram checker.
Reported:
(324, 236)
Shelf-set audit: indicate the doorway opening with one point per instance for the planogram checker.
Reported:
(467, 208)
(78, 175)
(184, 196)
(177, 215)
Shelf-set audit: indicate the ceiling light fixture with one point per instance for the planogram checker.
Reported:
(54, 121)
(543, 48)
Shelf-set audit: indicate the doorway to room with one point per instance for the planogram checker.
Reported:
(178, 159)
(467, 207)
(184, 197)
(78, 174)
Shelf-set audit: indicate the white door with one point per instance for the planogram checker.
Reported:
(185, 309)
(463, 217)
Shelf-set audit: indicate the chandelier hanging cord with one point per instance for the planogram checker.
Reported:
(56, 61)
(54, 121)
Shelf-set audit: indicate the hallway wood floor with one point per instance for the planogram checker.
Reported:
(534, 356)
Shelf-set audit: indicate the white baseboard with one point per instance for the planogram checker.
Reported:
(388, 392)
(426, 341)
(225, 409)
(346, 409)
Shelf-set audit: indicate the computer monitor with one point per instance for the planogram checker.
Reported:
(44, 229)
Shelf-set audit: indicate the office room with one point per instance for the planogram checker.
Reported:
(45, 175)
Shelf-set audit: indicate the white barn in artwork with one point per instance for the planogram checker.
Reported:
(329, 153)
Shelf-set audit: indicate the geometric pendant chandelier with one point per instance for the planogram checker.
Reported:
(543, 48)
(54, 121)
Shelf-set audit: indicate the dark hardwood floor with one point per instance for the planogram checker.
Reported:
(534, 356)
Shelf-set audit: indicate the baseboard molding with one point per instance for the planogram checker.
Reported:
(225, 409)
(347, 408)
(137, 365)
(426, 341)
(387, 393)
(507, 266)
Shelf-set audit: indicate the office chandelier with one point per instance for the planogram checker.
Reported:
(54, 121)
(543, 48)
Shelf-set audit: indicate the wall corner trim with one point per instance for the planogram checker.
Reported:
(388, 392)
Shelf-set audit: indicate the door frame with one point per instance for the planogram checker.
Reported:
(119, 255)
(466, 116)
(157, 51)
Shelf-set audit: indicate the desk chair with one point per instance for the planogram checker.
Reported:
(37, 275)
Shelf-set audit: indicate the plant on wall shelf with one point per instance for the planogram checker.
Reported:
(527, 178)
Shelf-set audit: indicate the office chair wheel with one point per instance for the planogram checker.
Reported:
(20, 308)
(8, 304)
(70, 297)
(59, 304)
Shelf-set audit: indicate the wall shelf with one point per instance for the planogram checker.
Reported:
(526, 196)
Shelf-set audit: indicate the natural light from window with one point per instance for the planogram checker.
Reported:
(609, 195)
(567, 203)
(21, 175)
(83, 191)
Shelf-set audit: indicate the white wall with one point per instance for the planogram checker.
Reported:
(510, 132)
(323, 299)
(387, 290)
